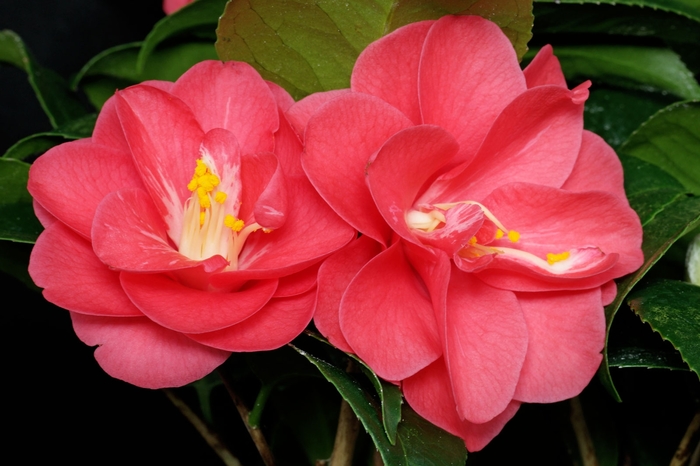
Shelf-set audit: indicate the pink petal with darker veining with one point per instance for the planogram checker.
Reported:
(430, 394)
(89, 288)
(297, 283)
(377, 68)
(275, 325)
(189, 310)
(400, 336)
(129, 234)
(334, 275)
(340, 139)
(232, 96)
(300, 113)
(143, 353)
(468, 74)
(544, 69)
(567, 334)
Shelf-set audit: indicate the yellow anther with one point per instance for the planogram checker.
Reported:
(554, 258)
(201, 168)
(513, 236)
(472, 240)
(220, 197)
(499, 234)
(233, 223)
(193, 185)
(202, 217)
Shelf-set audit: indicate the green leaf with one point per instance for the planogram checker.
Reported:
(688, 8)
(39, 143)
(660, 232)
(614, 114)
(311, 45)
(201, 13)
(17, 220)
(642, 68)
(671, 140)
(59, 103)
(631, 356)
(672, 308)
(418, 441)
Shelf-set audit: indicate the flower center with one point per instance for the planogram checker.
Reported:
(210, 225)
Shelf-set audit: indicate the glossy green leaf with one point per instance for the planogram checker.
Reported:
(671, 140)
(672, 308)
(17, 220)
(418, 441)
(631, 356)
(614, 114)
(310, 46)
(39, 143)
(643, 68)
(60, 104)
(660, 232)
(689, 8)
(199, 14)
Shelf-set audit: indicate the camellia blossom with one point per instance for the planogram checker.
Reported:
(184, 228)
(493, 225)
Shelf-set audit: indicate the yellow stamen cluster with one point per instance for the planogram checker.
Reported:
(203, 183)
(233, 223)
(554, 258)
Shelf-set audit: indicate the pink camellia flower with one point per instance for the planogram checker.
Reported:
(493, 224)
(171, 6)
(184, 229)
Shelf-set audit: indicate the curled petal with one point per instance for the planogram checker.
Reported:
(143, 353)
(544, 69)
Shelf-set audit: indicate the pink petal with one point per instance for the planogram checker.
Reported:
(64, 264)
(275, 325)
(129, 234)
(189, 310)
(567, 334)
(288, 148)
(375, 70)
(108, 129)
(171, 6)
(399, 336)
(430, 394)
(297, 283)
(608, 292)
(233, 96)
(335, 274)
(282, 98)
(88, 172)
(544, 69)
(165, 140)
(43, 215)
(536, 139)
(340, 139)
(270, 209)
(468, 74)
(257, 170)
(552, 220)
(300, 113)
(486, 340)
(145, 354)
(597, 168)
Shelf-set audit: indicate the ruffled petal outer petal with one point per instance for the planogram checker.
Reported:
(275, 325)
(297, 283)
(232, 96)
(340, 139)
(468, 74)
(486, 340)
(608, 291)
(535, 139)
(89, 288)
(88, 172)
(288, 148)
(143, 353)
(544, 69)
(187, 310)
(567, 334)
(129, 234)
(597, 168)
(400, 335)
(164, 138)
(400, 169)
(430, 394)
(375, 70)
(334, 275)
(300, 113)
(43, 215)
(553, 221)
(108, 129)
(282, 98)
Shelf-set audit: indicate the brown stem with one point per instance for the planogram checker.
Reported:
(583, 436)
(255, 433)
(685, 447)
(207, 434)
(345, 436)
